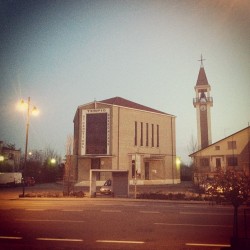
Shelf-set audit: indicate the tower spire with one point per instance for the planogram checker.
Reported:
(203, 102)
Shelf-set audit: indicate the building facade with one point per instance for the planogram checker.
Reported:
(10, 156)
(230, 153)
(203, 102)
(119, 134)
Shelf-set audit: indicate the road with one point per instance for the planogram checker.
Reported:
(86, 223)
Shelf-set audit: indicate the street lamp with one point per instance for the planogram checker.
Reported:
(178, 162)
(1, 158)
(53, 161)
(34, 111)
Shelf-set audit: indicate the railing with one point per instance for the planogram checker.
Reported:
(197, 100)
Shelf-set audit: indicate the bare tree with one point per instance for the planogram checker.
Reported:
(192, 147)
(68, 171)
(50, 154)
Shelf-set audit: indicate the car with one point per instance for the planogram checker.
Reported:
(107, 187)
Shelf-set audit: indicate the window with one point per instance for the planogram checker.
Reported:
(135, 133)
(158, 139)
(231, 144)
(141, 134)
(232, 161)
(146, 134)
(204, 162)
(133, 168)
(96, 133)
(217, 147)
(153, 135)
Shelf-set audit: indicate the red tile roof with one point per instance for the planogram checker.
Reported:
(202, 78)
(129, 104)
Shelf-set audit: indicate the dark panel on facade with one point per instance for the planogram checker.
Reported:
(96, 133)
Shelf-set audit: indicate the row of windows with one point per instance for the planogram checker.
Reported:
(231, 161)
(230, 145)
(147, 138)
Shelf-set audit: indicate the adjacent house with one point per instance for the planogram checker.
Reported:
(230, 153)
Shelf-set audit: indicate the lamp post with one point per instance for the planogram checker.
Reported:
(26, 105)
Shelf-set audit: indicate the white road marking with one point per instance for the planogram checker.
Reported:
(27, 220)
(194, 213)
(121, 241)
(11, 237)
(208, 206)
(72, 210)
(192, 225)
(34, 209)
(207, 245)
(133, 205)
(59, 239)
(110, 211)
(149, 212)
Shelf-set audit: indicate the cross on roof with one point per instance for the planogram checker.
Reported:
(201, 60)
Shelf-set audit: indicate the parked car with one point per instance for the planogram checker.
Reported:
(29, 181)
(107, 187)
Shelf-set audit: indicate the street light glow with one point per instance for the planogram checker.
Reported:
(24, 106)
(178, 162)
(53, 161)
(35, 111)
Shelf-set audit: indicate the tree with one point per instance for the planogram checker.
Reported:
(192, 147)
(68, 170)
(235, 186)
(40, 166)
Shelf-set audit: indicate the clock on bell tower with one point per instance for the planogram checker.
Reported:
(203, 102)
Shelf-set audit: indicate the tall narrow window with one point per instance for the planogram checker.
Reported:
(153, 135)
(141, 134)
(135, 133)
(147, 134)
(158, 139)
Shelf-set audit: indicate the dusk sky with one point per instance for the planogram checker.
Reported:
(67, 53)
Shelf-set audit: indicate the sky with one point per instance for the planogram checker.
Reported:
(63, 54)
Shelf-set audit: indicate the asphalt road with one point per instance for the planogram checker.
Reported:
(113, 224)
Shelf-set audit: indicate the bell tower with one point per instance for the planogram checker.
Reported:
(203, 102)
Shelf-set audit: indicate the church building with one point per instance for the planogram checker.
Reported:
(118, 134)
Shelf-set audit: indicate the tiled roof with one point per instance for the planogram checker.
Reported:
(202, 78)
(129, 104)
